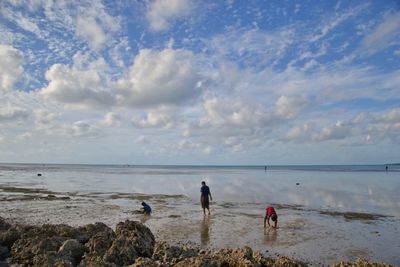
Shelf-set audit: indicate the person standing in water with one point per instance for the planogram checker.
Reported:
(205, 202)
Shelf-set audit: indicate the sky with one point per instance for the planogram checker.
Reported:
(200, 82)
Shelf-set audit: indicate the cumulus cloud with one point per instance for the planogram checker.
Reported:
(111, 119)
(155, 78)
(369, 128)
(10, 66)
(159, 118)
(301, 133)
(161, 14)
(77, 87)
(245, 114)
(288, 107)
(338, 131)
(385, 33)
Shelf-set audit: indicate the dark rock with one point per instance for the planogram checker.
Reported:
(39, 174)
(72, 251)
(139, 236)
(165, 253)
(133, 239)
(4, 253)
(84, 233)
(100, 243)
(7, 238)
(122, 252)
(145, 262)
(95, 261)
(50, 230)
(32, 251)
(3, 224)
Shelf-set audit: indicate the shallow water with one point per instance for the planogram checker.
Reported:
(326, 213)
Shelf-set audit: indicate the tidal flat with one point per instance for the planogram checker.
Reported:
(327, 217)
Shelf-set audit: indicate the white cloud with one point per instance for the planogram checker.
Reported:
(155, 78)
(290, 107)
(237, 112)
(142, 140)
(387, 32)
(330, 24)
(253, 47)
(78, 129)
(91, 31)
(24, 136)
(12, 114)
(111, 119)
(158, 118)
(82, 88)
(44, 117)
(10, 66)
(301, 133)
(368, 128)
(226, 112)
(337, 131)
(161, 14)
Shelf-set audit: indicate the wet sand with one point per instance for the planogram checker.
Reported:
(311, 235)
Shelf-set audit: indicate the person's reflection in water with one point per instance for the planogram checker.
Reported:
(144, 218)
(270, 235)
(205, 231)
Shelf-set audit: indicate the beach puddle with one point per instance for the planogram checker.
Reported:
(366, 217)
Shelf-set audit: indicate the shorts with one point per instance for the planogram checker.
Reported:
(205, 203)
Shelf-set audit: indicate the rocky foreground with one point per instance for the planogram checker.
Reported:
(131, 244)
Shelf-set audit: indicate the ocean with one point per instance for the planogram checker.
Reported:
(326, 213)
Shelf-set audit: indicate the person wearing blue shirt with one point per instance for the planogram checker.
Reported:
(205, 202)
(146, 208)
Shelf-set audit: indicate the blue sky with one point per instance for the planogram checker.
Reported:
(200, 82)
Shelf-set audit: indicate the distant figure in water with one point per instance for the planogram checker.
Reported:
(265, 168)
(387, 168)
(205, 202)
(270, 213)
(146, 208)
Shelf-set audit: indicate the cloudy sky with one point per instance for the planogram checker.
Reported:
(200, 82)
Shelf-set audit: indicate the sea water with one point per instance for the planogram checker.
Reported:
(326, 213)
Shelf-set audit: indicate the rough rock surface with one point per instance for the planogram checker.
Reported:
(132, 244)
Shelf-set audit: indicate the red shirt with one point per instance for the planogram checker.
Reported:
(270, 211)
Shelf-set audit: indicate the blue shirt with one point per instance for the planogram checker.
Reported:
(205, 191)
(147, 208)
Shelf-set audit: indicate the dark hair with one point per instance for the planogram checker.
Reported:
(274, 217)
(203, 182)
(143, 203)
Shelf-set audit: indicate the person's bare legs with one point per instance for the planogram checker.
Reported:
(204, 211)
(209, 213)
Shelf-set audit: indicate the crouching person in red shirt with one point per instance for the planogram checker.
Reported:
(271, 214)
